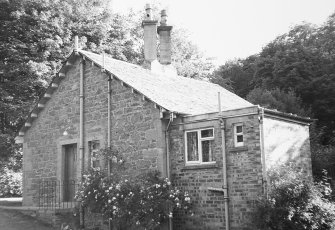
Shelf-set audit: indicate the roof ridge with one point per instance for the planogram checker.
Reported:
(109, 57)
(149, 71)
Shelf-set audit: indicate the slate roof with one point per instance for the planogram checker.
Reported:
(174, 93)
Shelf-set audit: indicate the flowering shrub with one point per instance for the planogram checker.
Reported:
(145, 200)
(294, 203)
(10, 183)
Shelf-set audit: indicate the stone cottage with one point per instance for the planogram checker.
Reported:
(209, 141)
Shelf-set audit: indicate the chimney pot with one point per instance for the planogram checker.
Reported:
(163, 18)
(148, 12)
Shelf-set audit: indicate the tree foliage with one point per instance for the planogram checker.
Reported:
(236, 75)
(187, 58)
(287, 102)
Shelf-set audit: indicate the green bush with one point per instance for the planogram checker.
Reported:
(294, 202)
(131, 201)
(10, 183)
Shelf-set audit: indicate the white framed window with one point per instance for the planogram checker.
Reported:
(238, 135)
(94, 147)
(199, 146)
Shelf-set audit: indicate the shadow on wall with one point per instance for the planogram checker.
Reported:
(286, 142)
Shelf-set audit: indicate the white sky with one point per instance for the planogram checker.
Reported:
(228, 29)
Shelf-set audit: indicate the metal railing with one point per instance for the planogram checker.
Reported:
(55, 194)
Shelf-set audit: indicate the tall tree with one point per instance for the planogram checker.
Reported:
(300, 61)
(236, 75)
(287, 102)
(187, 58)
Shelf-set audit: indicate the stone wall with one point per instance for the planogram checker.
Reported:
(41, 142)
(136, 128)
(244, 175)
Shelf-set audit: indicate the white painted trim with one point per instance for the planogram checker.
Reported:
(236, 134)
(89, 138)
(200, 139)
(214, 118)
(285, 119)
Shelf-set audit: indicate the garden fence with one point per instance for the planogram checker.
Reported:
(55, 194)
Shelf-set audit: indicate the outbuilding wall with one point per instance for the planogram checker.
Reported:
(287, 142)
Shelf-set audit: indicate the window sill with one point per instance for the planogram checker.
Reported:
(200, 166)
(238, 149)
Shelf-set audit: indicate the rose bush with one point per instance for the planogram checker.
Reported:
(294, 202)
(145, 200)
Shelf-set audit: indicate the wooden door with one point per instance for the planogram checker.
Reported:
(69, 181)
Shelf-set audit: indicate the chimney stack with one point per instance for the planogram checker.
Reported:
(164, 32)
(150, 38)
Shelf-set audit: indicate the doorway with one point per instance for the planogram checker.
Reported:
(69, 180)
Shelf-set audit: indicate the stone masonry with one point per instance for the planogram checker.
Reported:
(136, 128)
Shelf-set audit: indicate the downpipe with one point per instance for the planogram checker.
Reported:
(168, 159)
(109, 139)
(81, 133)
(224, 164)
(224, 171)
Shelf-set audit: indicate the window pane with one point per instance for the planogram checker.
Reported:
(207, 133)
(95, 163)
(239, 138)
(207, 155)
(239, 129)
(94, 147)
(192, 146)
